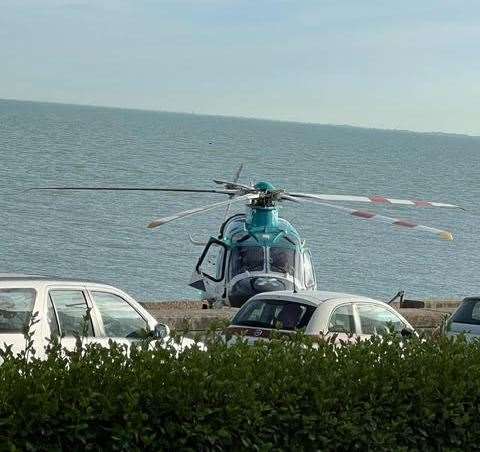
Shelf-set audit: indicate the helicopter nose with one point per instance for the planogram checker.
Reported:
(268, 284)
(246, 288)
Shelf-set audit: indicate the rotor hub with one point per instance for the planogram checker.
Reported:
(264, 187)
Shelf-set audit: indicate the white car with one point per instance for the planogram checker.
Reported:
(316, 313)
(465, 320)
(61, 307)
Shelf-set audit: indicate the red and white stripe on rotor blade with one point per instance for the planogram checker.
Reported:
(197, 210)
(363, 215)
(374, 200)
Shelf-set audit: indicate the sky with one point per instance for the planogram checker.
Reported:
(411, 65)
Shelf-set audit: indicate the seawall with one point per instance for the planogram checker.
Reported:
(189, 315)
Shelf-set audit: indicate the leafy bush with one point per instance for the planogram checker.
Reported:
(287, 394)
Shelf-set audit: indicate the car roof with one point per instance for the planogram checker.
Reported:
(11, 277)
(473, 298)
(315, 297)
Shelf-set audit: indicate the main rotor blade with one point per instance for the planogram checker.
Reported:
(291, 198)
(180, 190)
(237, 174)
(362, 215)
(190, 212)
(233, 185)
(235, 180)
(373, 200)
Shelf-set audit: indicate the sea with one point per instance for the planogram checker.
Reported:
(103, 235)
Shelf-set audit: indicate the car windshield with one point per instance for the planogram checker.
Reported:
(282, 260)
(279, 314)
(468, 312)
(247, 258)
(16, 307)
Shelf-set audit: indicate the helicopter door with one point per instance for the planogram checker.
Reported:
(211, 266)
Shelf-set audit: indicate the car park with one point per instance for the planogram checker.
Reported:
(317, 313)
(465, 320)
(67, 308)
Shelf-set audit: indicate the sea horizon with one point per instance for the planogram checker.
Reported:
(253, 118)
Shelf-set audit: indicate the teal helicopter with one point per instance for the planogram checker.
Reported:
(257, 251)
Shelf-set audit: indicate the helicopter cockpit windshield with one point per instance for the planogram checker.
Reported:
(247, 258)
(255, 269)
(282, 260)
(252, 259)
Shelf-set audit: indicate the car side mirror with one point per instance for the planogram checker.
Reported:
(407, 332)
(161, 331)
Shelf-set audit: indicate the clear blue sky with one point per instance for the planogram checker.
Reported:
(389, 64)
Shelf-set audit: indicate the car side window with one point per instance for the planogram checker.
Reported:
(476, 312)
(119, 318)
(52, 319)
(342, 320)
(375, 319)
(72, 311)
(16, 305)
(468, 312)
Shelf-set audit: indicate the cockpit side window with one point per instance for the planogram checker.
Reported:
(282, 260)
(212, 262)
(309, 271)
(247, 258)
(220, 268)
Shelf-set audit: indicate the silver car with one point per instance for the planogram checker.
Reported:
(61, 307)
(465, 320)
(316, 313)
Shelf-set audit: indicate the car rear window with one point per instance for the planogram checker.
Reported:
(280, 314)
(16, 307)
(468, 312)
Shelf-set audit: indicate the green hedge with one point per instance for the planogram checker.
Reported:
(287, 394)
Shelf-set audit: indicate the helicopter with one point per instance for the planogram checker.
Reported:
(257, 251)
